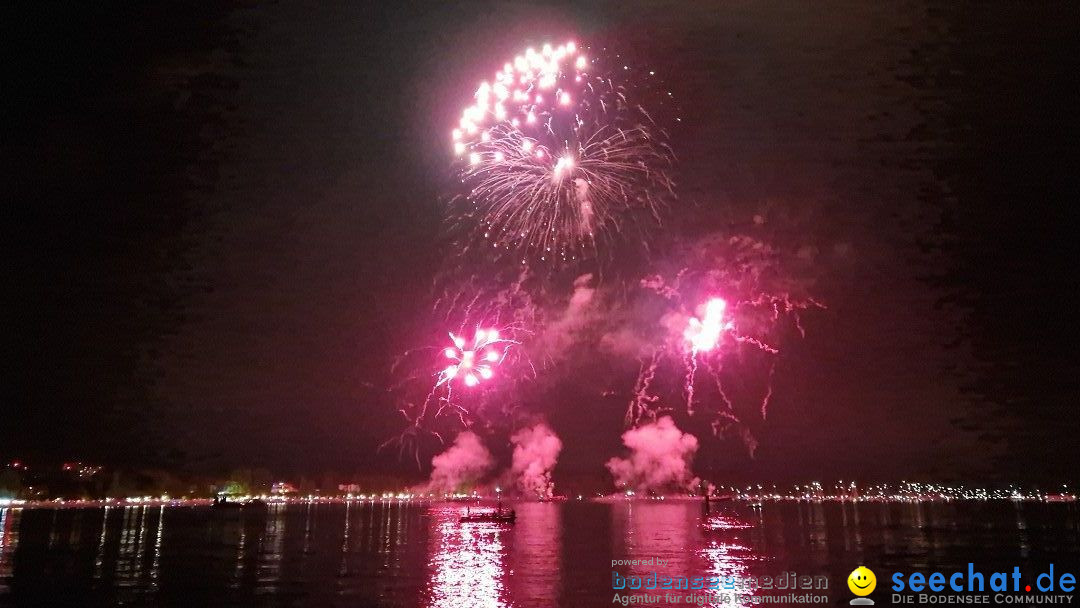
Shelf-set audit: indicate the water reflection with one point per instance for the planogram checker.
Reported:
(133, 541)
(9, 542)
(343, 567)
(850, 525)
(387, 553)
(467, 560)
(1022, 530)
(271, 549)
(680, 540)
(536, 556)
(155, 567)
(727, 556)
(662, 530)
(241, 546)
(99, 561)
(390, 554)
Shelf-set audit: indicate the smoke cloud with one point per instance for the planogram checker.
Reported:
(660, 457)
(536, 449)
(565, 326)
(461, 466)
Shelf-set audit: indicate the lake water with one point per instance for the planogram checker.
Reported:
(556, 554)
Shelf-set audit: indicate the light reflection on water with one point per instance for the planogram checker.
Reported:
(535, 560)
(690, 538)
(495, 564)
(9, 542)
(727, 556)
(467, 561)
(394, 554)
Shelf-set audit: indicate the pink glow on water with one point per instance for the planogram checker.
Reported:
(467, 562)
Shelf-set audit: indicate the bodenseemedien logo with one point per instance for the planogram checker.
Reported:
(862, 582)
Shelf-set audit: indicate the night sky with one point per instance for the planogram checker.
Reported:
(222, 223)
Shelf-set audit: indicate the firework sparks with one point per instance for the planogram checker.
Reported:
(704, 334)
(473, 362)
(465, 363)
(554, 150)
(704, 341)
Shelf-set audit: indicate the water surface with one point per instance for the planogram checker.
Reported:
(410, 554)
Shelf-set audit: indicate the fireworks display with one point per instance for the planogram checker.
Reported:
(562, 150)
(556, 149)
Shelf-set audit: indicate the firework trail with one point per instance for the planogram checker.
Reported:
(643, 401)
(556, 149)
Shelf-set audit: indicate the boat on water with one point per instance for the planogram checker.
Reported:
(226, 503)
(498, 514)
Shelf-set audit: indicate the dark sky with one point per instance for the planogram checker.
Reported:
(223, 222)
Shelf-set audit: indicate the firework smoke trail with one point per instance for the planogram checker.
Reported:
(555, 149)
(730, 407)
(691, 373)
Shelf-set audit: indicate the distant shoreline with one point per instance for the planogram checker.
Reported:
(753, 500)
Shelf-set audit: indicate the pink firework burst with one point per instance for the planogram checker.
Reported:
(473, 362)
(555, 149)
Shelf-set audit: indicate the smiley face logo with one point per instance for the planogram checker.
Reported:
(862, 581)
